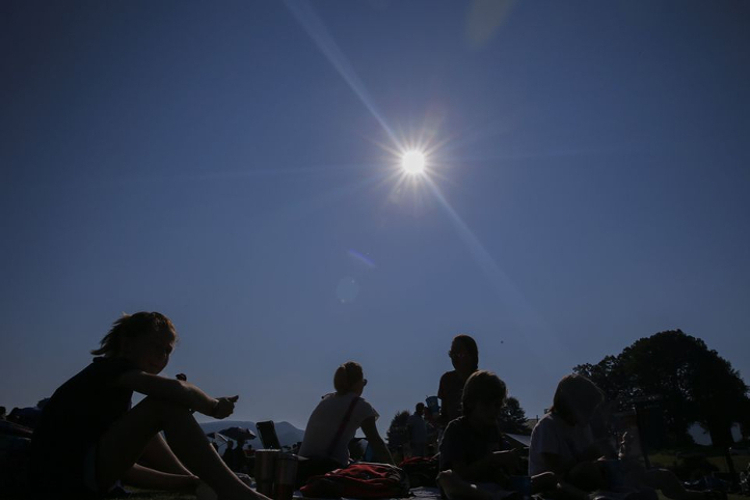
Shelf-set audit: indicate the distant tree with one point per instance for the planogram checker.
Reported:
(693, 383)
(397, 434)
(513, 418)
(609, 376)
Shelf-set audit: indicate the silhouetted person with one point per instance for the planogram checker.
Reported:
(417, 428)
(563, 443)
(89, 437)
(229, 456)
(464, 356)
(474, 463)
(335, 420)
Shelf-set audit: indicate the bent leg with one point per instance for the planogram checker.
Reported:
(143, 477)
(123, 444)
(160, 457)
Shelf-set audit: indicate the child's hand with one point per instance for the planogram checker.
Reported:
(224, 407)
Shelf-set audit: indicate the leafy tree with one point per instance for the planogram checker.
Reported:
(513, 418)
(397, 434)
(693, 383)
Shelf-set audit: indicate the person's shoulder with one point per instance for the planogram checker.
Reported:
(552, 423)
(543, 423)
(448, 377)
(363, 402)
(457, 425)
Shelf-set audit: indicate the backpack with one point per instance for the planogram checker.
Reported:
(361, 480)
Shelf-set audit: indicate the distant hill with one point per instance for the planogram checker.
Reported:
(288, 434)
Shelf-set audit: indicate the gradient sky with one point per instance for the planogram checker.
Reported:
(234, 166)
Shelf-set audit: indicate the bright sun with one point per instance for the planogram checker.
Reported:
(413, 162)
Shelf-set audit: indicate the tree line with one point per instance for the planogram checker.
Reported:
(690, 383)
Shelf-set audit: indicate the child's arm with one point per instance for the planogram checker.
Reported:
(177, 391)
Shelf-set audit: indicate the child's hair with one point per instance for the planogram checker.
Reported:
(482, 385)
(470, 345)
(574, 391)
(346, 376)
(130, 326)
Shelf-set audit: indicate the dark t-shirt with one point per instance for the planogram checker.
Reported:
(450, 390)
(74, 419)
(464, 443)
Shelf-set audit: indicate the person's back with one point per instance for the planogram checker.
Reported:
(334, 422)
(323, 426)
(77, 414)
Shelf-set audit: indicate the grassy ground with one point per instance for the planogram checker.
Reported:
(671, 459)
(665, 458)
(715, 456)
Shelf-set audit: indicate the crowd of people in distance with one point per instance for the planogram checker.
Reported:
(107, 441)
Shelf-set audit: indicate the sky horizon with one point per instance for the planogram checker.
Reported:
(237, 168)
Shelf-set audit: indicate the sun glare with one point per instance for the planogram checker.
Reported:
(413, 162)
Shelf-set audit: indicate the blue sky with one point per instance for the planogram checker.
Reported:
(234, 167)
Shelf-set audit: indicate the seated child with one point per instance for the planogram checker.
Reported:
(89, 437)
(472, 461)
(562, 443)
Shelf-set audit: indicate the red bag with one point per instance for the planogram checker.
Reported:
(360, 480)
(422, 471)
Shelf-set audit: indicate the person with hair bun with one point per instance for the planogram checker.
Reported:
(334, 422)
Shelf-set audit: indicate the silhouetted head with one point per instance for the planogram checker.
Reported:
(145, 338)
(576, 399)
(349, 378)
(419, 409)
(483, 397)
(464, 353)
